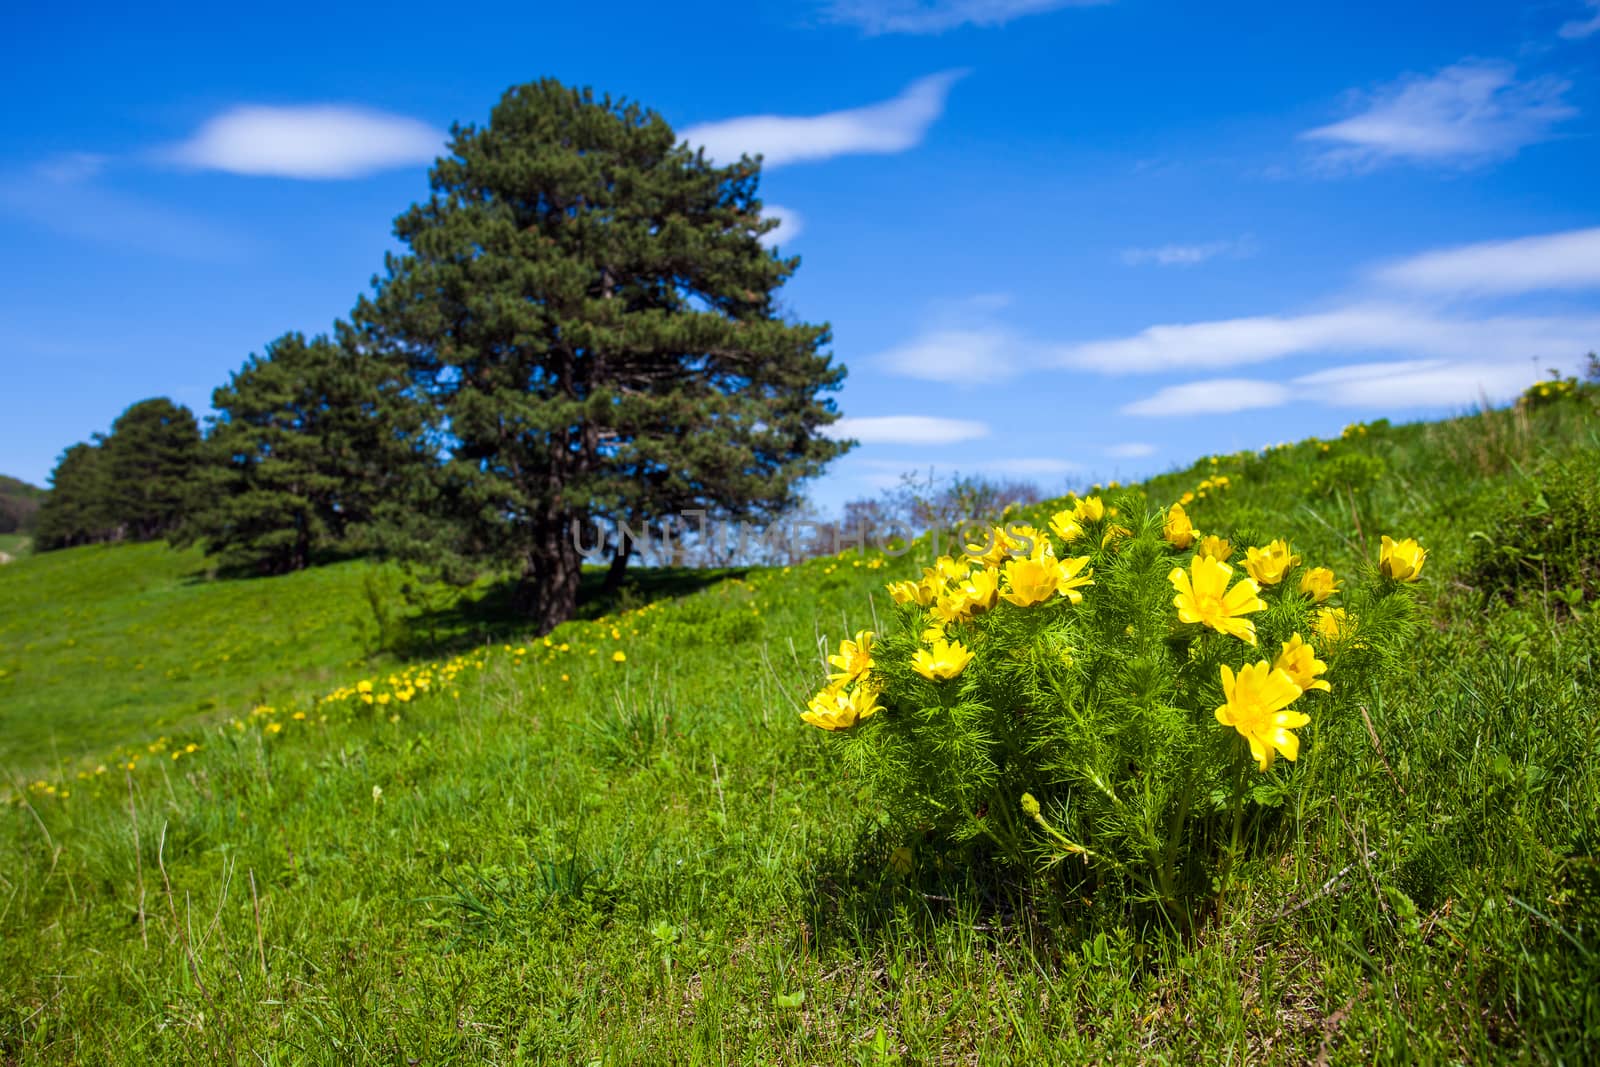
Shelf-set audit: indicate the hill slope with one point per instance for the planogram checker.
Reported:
(622, 845)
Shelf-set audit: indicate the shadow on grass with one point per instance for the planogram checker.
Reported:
(489, 615)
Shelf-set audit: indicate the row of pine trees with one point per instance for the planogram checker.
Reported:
(584, 329)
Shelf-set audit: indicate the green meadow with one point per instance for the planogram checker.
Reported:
(337, 817)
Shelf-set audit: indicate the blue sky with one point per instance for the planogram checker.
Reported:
(1058, 241)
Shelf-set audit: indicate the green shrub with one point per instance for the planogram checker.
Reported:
(1545, 542)
(1056, 712)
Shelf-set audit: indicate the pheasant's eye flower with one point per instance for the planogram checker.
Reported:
(1071, 576)
(1187, 498)
(1115, 533)
(951, 608)
(1214, 547)
(1319, 583)
(854, 658)
(363, 686)
(1065, 526)
(1031, 581)
(1299, 661)
(933, 633)
(1269, 565)
(1333, 626)
(944, 661)
(835, 709)
(906, 592)
(982, 590)
(1401, 560)
(1258, 707)
(1178, 530)
(1089, 509)
(1204, 597)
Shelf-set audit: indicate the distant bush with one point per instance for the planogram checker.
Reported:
(1545, 542)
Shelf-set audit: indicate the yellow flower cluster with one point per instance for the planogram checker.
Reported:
(1547, 391)
(850, 696)
(1207, 486)
(1016, 564)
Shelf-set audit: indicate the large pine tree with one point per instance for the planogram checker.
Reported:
(587, 305)
(303, 450)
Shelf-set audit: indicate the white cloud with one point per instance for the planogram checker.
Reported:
(1569, 260)
(906, 430)
(1578, 29)
(937, 16)
(72, 168)
(318, 141)
(1131, 450)
(1022, 466)
(877, 129)
(1176, 255)
(1395, 385)
(790, 225)
(1467, 113)
(1430, 383)
(1218, 396)
(1361, 327)
(957, 355)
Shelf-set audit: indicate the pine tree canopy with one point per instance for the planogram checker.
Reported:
(300, 453)
(587, 307)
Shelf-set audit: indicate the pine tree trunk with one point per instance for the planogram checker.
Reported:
(618, 568)
(547, 592)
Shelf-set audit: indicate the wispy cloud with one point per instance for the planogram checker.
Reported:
(1578, 29)
(907, 430)
(1131, 450)
(1357, 328)
(66, 196)
(878, 129)
(1219, 396)
(958, 355)
(937, 16)
(1569, 260)
(1181, 255)
(312, 142)
(790, 225)
(1395, 385)
(1466, 114)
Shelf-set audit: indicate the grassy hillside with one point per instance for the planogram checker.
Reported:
(622, 845)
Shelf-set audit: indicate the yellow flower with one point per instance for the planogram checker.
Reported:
(1178, 530)
(854, 658)
(1269, 565)
(1299, 661)
(1401, 560)
(1204, 597)
(1319, 583)
(1186, 498)
(979, 592)
(1115, 532)
(1031, 581)
(619, 657)
(836, 709)
(1065, 525)
(909, 592)
(363, 686)
(1334, 625)
(944, 661)
(1089, 509)
(1069, 580)
(1214, 547)
(933, 633)
(1258, 707)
